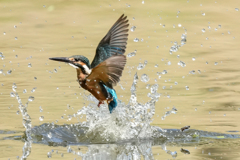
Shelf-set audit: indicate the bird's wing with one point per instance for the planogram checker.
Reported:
(113, 43)
(108, 72)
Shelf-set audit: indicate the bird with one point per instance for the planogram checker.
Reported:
(107, 66)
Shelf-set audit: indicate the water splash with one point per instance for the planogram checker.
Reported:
(131, 121)
(26, 121)
(128, 128)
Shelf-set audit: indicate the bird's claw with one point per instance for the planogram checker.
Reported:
(100, 102)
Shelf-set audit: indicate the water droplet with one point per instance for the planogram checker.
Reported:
(147, 86)
(15, 26)
(49, 135)
(216, 63)
(169, 63)
(29, 65)
(236, 9)
(17, 112)
(203, 30)
(12, 94)
(144, 78)
(174, 48)
(179, 25)
(164, 72)
(16, 56)
(40, 109)
(16, 38)
(187, 88)
(216, 29)
(203, 14)
(4, 33)
(55, 70)
(30, 98)
(192, 72)
(41, 118)
(132, 54)
(140, 66)
(49, 154)
(174, 154)
(133, 28)
(154, 88)
(9, 71)
(224, 115)
(182, 64)
(24, 91)
(1, 71)
(206, 62)
(199, 71)
(195, 109)
(176, 83)
(35, 78)
(143, 2)
(14, 86)
(219, 26)
(44, 6)
(34, 89)
(136, 40)
(193, 59)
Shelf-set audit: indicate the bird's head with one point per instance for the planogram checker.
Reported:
(76, 61)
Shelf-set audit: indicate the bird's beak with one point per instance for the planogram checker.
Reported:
(61, 59)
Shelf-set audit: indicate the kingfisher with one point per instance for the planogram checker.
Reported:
(105, 71)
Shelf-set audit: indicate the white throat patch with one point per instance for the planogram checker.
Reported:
(72, 65)
(87, 69)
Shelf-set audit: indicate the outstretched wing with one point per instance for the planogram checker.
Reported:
(108, 72)
(113, 43)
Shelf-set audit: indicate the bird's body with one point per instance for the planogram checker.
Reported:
(107, 66)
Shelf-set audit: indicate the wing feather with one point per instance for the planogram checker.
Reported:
(109, 71)
(113, 43)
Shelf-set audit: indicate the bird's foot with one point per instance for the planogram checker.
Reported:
(100, 102)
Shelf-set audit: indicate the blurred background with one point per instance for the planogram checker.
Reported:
(201, 78)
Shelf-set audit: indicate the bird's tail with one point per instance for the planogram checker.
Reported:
(113, 104)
